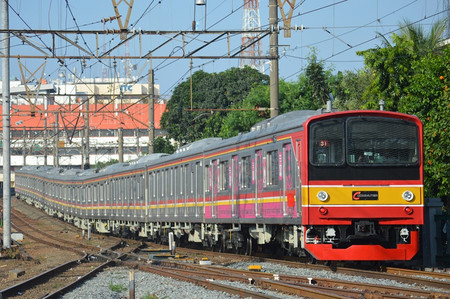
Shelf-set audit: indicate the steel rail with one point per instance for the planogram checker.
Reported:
(274, 286)
(27, 284)
(406, 278)
(329, 284)
(80, 280)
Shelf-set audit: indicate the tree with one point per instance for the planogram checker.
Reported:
(428, 98)
(349, 89)
(391, 64)
(163, 145)
(419, 41)
(316, 77)
(411, 75)
(292, 96)
(210, 93)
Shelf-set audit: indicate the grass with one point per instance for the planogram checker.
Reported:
(117, 287)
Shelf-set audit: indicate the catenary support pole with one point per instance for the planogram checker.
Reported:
(273, 20)
(151, 112)
(6, 129)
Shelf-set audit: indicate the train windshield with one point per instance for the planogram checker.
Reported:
(370, 141)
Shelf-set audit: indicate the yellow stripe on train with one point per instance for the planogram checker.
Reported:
(363, 195)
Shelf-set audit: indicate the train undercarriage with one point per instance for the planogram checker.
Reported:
(273, 239)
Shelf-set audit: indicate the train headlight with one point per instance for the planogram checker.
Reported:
(322, 196)
(408, 195)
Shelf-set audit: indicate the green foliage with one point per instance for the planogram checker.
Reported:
(428, 98)
(104, 164)
(412, 76)
(316, 77)
(419, 41)
(242, 120)
(209, 91)
(349, 89)
(117, 287)
(163, 145)
(391, 69)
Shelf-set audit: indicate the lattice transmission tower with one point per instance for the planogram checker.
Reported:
(251, 21)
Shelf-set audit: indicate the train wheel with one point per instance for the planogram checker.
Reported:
(249, 247)
(311, 259)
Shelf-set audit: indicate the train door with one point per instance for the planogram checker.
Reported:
(298, 178)
(149, 193)
(175, 189)
(187, 187)
(258, 182)
(234, 184)
(215, 187)
(168, 190)
(207, 175)
(146, 193)
(288, 176)
(198, 187)
(160, 194)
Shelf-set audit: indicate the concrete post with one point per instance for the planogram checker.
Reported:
(6, 127)
(273, 48)
(433, 207)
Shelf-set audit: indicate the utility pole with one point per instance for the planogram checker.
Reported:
(24, 147)
(45, 132)
(151, 112)
(138, 148)
(6, 129)
(274, 90)
(56, 136)
(120, 131)
(85, 162)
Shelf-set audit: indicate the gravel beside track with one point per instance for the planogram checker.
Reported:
(145, 284)
(149, 284)
(282, 269)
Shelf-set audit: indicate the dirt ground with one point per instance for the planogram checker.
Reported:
(34, 257)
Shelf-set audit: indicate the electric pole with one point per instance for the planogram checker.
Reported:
(85, 162)
(6, 129)
(120, 153)
(274, 91)
(151, 112)
(56, 136)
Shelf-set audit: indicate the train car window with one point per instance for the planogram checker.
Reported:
(208, 178)
(376, 141)
(272, 168)
(327, 142)
(182, 179)
(223, 175)
(246, 172)
(173, 181)
(191, 177)
(153, 177)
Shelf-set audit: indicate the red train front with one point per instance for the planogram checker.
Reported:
(362, 186)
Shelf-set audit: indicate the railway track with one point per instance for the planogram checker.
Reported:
(30, 229)
(315, 287)
(61, 279)
(53, 281)
(422, 279)
(426, 278)
(210, 277)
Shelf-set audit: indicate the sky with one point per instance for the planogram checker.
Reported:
(336, 29)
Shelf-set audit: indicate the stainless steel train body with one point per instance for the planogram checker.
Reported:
(236, 193)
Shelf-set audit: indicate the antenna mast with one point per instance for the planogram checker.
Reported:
(251, 21)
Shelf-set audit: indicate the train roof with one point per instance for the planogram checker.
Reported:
(264, 128)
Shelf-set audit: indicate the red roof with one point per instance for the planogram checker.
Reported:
(101, 117)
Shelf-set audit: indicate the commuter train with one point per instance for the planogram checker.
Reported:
(330, 185)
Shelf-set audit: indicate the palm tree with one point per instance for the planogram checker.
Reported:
(420, 42)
